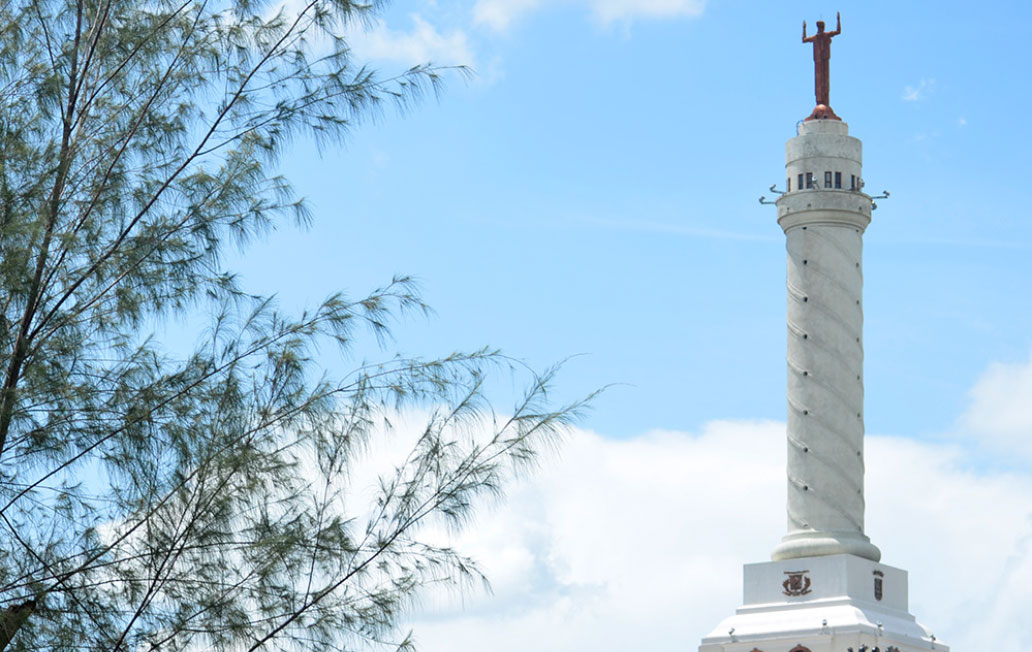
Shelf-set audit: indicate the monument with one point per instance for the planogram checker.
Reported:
(825, 590)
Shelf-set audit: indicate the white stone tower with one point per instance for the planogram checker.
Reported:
(825, 590)
(824, 214)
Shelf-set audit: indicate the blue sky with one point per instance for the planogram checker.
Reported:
(593, 190)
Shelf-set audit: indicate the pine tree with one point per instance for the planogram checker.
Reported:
(151, 499)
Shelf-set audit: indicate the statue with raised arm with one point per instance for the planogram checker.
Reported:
(821, 55)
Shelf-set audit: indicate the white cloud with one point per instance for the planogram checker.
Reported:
(919, 92)
(638, 544)
(1000, 412)
(422, 44)
(500, 14)
(619, 545)
(615, 537)
(609, 11)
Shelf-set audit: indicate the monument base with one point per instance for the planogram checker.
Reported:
(819, 544)
(822, 604)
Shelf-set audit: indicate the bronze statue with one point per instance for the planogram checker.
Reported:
(821, 55)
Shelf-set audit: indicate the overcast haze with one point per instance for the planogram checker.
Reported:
(593, 190)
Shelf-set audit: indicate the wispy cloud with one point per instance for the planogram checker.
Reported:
(917, 93)
(609, 11)
(500, 14)
(963, 243)
(652, 226)
(421, 44)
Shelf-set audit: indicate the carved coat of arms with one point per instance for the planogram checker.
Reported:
(797, 583)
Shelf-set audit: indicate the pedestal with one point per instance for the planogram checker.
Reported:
(822, 604)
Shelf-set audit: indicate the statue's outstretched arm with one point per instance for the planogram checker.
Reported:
(838, 25)
(806, 40)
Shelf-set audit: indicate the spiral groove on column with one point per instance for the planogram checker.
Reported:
(824, 389)
(824, 239)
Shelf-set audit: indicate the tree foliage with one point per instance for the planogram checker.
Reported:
(155, 500)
